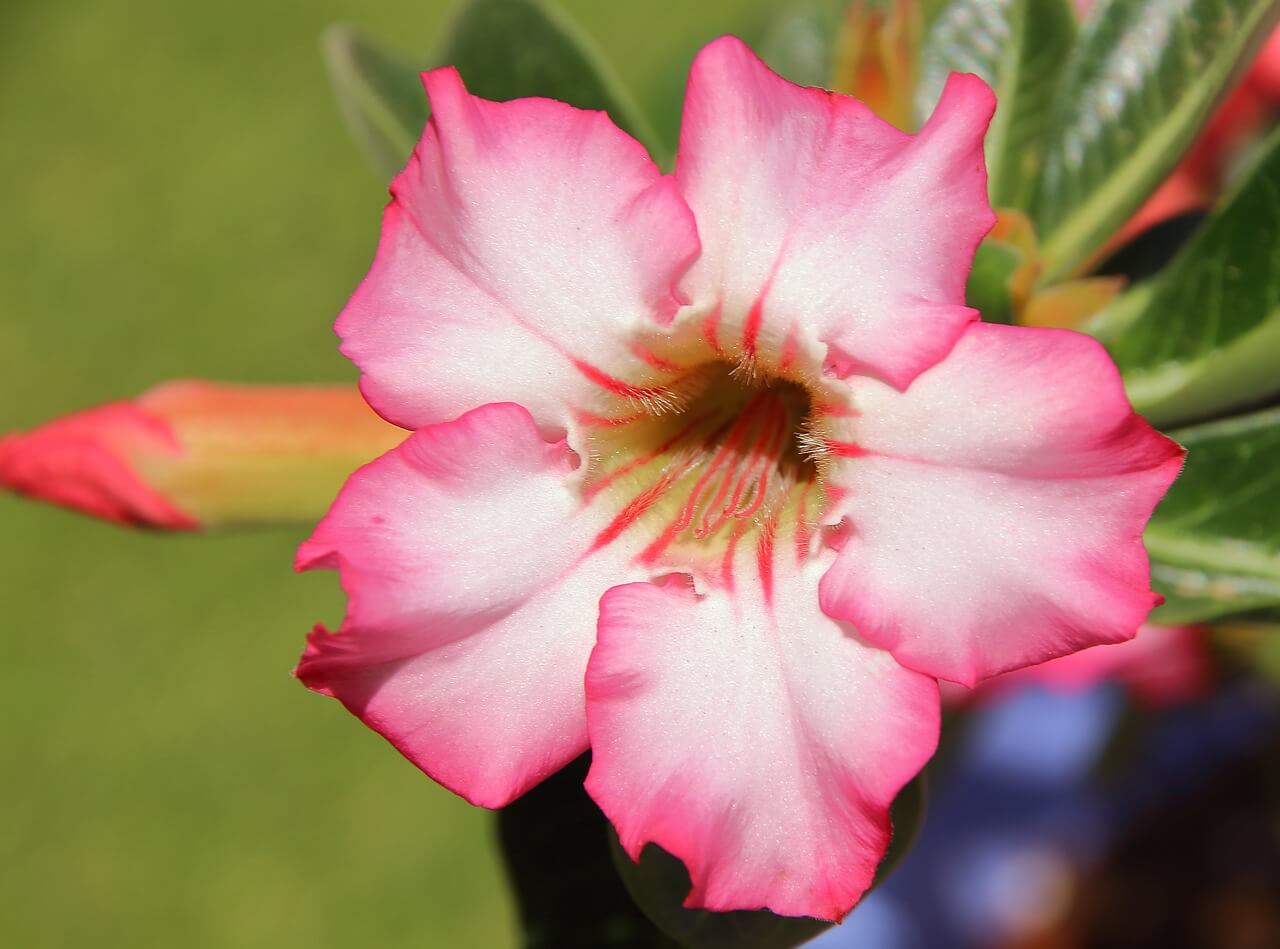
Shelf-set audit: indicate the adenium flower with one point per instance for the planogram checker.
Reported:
(714, 473)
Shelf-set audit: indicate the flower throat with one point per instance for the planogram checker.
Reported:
(718, 455)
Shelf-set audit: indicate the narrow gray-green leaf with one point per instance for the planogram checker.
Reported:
(507, 49)
(379, 94)
(1019, 47)
(1215, 539)
(1139, 85)
(1204, 335)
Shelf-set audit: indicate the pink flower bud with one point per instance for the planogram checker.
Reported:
(191, 455)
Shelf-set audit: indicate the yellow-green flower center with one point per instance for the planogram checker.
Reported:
(717, 457)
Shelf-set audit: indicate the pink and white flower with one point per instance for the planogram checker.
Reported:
(714, 473)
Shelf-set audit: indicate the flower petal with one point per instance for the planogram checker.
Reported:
(816, 214)
(471, 608)
(996, 507)
(761, 744)
(523, 239)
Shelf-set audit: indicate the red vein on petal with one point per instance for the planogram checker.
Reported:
(767, 459)
(633, 510)
(751, 329)
(651, 396)
(591, 420)
(650, 358)
(742, 444)
(846, 449)
(726, 563)
(711, 329)
(835, 410)
(764, 554)
(804, 532)
(790, 348)
(640, 461)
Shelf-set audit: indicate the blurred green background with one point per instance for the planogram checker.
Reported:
(180, 199)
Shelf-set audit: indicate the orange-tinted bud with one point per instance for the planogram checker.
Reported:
(189, 455)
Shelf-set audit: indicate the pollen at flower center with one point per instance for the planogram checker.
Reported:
(721, 457)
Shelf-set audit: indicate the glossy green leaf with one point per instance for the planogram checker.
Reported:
(1215, 539)
(659, 884)
(506, 49)
(379, 94)
(1140, 83)
(1204, 335)
(1019, 47)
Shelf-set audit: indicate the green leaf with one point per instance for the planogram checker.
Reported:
(1019, 47)
(1214, 541)
(659, 883)
(799, 43)
(1138, 86)
(504, 49)
(379, 94)
(1204, 335)
(507, 49)
(989, 286)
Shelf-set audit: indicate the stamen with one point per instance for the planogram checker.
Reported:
(811, 444)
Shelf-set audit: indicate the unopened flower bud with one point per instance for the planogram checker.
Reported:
(193, 455)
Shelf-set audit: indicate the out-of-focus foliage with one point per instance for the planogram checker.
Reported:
(1203, 336)
(1215, 539)
(504, 49)
(800, 41)
(1019, 47)
(379, 93)
(1136, 88)
(990, 288)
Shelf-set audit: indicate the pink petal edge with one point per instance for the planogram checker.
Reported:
(815, 214)
(523, 238)
(471, 606)
(996, 507)
(762, 746)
